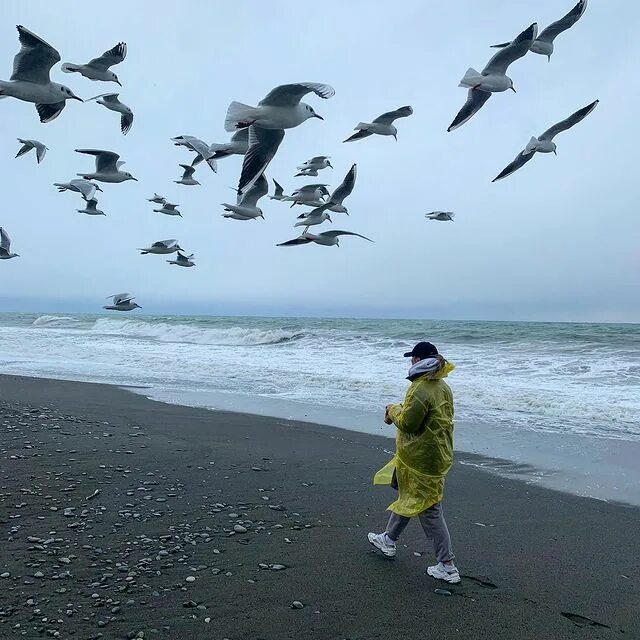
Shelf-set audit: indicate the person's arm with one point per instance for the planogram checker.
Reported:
(409, 415)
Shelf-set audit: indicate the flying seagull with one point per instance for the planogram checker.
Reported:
(493, 77)
(98, 68)
(111, 102)
(27, 145)
(382, 125)
(162, 247)
(187, 176)
(543, 44)
(238, 145)
(278, 193)
(343, 191)
(85, 187)
(326, 238)
(314, 217)
(311, 167)
(307, 193)
(200, 148)
(168, 209)
(30, 78)
(246, 207)
(157, 199)
(107, 167)
(280, 109)
(122, 302)
(183, 261)
(91, 208)
(544, 143)
(442, 216)
(307, 173)
(5, 246)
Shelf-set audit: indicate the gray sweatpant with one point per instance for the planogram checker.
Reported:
(434, 526)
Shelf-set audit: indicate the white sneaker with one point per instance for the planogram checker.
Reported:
(382, 542)
(440, 572)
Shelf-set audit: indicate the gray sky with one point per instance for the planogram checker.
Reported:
(560, 239)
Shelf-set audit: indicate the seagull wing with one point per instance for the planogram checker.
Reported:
(105, 160)
(169, 206)
(358, 135)
(521, 159)
(390, 116)
(569, 122)
(263, 144)
(310, 187)
(164, 243)
(557, 27)
(86, 188)
(336, 233)
(475, 101)
(34, 60)
(500, 62)
(188, 170)
(289, 95)
(111, 57)
(259, 189)
(107, 97)
(296, 241)
(126, 120)
(278, 188)
(345, 188)
(27, 145)
(241, 135)
(5, 240)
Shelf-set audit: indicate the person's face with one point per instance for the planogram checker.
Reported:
(415, 359)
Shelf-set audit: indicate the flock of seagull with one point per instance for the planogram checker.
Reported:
(258, 132)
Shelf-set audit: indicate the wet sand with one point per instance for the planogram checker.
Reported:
(117, 519)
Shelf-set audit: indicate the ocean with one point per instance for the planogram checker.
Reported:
(554, 398)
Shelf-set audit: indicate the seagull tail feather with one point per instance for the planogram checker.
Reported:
(67, 67)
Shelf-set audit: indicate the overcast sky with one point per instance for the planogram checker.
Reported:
(560, 239)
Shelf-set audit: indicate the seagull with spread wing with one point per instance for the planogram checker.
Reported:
(108, 166)
(5, 246)
(326, 238)
(27, 145)
(111, 102)
(98, 68)
(382, 125)
(122, 302)
(246, 207)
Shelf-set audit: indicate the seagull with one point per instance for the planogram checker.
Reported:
(183, 261)
(326, 238)
(543, 44)
(492, 78)
(122, 302)
(343, 191)
(5, 246)
(238, 145)
(443, 216)
(27, 145)
(85, 187)
(308, 193)
(314, 217)
(544, 143)
(107, 167)
(91, 209)
(280, 109)
(201, 149)
(168, 209)
(30, 78)
(382, 125)
(187, 176)
(278, 194)
(307, 173)
(246, 207)
(111, 102)
(317, 163)
(157, 199)
(98, 68)
(162, 247)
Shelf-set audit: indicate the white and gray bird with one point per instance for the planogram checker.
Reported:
(187, 178)
(107, 167)
(543, 44)
(5, 246)
(168, 209)
(30, 78)
(311, 167)
(278, 193)
(98, 68)
(112, 102)
(157, 199)
(493, 77)
(307, 173)
(122, 302)
(162, 247)
(183, 260)
(91, 208)
(238, 145)
(246, 207)
(27, 145)
(200, 148)
(85, 187)
(314, 217)
(307, 193)
(382, 125)
(442, 216)
(280, 109)
(544, 143)
(342, 191)
(326, 238)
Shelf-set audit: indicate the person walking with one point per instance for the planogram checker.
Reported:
(424, 455)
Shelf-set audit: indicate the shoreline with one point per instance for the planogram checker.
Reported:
(535, 562)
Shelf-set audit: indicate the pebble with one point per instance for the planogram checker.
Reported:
(296, 604)
(442, 592)
(190, 579)
(238, 528)
(6, 574)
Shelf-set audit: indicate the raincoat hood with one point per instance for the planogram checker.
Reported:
(434, 368)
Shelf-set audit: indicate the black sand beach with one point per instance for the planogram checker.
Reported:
(154, 554)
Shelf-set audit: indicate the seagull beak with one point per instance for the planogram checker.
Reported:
(329, 164)
(555, 152)
(136, 179)
(74, 97)
(120, 83)
(395, 137)
(513, 89)
(316, 115)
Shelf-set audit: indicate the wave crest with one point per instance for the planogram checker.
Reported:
(53, 321)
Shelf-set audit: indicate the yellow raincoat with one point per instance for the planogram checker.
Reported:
(424, 443)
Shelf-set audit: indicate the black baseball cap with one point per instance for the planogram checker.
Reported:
(422, 350)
